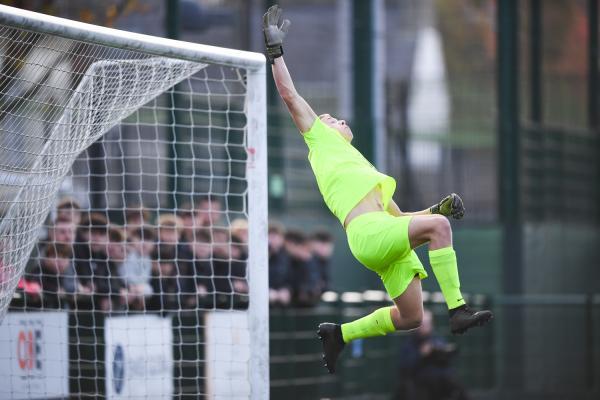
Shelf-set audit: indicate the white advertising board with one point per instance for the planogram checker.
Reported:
(34, 356)
(227, 355)
(139, 357)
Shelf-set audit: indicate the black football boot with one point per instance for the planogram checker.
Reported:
(333, 344)
(463, 318)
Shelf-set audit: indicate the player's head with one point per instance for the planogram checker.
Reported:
(338, 124)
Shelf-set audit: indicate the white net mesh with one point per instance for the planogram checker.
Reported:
(122, 191)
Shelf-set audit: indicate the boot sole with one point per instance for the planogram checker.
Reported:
(325, 364)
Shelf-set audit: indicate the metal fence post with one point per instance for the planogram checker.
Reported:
(363, 51)
(593, 85)
(509, 172)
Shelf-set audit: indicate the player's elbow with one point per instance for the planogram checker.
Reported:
(288, 94)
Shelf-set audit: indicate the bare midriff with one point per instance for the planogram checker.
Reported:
(370, 203)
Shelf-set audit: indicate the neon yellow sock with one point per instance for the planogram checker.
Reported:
(443, 263)
(378, 323)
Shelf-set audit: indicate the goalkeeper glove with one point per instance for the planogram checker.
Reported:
(274, 33)
(451, 205)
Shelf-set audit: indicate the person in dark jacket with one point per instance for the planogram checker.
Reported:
(110, 288)
(304, 269)
(229, 269)
(425, 372)
(280, 288)
(200, 269)
(51, 275)
(164, 281)
(322, 246)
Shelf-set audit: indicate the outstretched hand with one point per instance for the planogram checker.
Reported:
(449, 206)
(274, 32)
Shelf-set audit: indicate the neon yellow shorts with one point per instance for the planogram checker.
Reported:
(380, 242)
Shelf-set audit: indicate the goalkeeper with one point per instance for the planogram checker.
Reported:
(380, 235)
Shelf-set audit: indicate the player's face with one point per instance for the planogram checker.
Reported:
(339, 125)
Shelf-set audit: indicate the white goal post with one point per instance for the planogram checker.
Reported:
(66, 86)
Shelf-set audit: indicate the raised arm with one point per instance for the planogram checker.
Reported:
(302, 114)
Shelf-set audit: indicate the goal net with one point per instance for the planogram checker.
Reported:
(133, 215)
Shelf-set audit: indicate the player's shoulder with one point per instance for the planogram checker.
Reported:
(320, 132)
(316, 127)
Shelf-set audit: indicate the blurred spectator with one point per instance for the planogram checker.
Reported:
(136, 217)
(109, 285)
(90, 249)
(239, 229)
(239, 254)
(239, 260)
(303, 268)
(68, 209)
(51, 274)
(62, 231)
(169, 229)
(279, 267)
(200, 267)
(229, 269)
(188, 221)
(81, 248)
(164, 282)
(425, 366)
(322, 246)
(136, 270)
(208, 211)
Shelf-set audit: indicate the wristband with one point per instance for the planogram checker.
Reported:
(273, 52)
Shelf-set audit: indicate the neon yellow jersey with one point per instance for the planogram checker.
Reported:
(343, 175)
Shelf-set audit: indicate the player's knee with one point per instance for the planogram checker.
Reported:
(442, 228)
(414, 321)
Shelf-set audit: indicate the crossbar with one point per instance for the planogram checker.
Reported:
(29, 20)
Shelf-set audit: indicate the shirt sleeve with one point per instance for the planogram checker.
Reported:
(321, 133)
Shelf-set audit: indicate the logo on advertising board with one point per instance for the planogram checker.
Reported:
(139, 357)
(29, 349)
(118, 368)
(35, 355)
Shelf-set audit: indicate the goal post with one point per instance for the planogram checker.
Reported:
(66, 86)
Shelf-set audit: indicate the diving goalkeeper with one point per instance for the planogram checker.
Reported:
(380, 235)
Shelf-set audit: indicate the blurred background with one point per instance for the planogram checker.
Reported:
(495, 100)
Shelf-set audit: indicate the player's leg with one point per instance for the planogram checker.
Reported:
(436, 231)
(406, 314)
(380, 242)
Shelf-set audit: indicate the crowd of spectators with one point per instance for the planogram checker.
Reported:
(298, 266)
(166, 262)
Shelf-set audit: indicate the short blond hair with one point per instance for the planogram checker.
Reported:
(169, 221)
(238, 224)
(137, 210)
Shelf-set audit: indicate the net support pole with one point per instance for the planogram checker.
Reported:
(258, 261)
